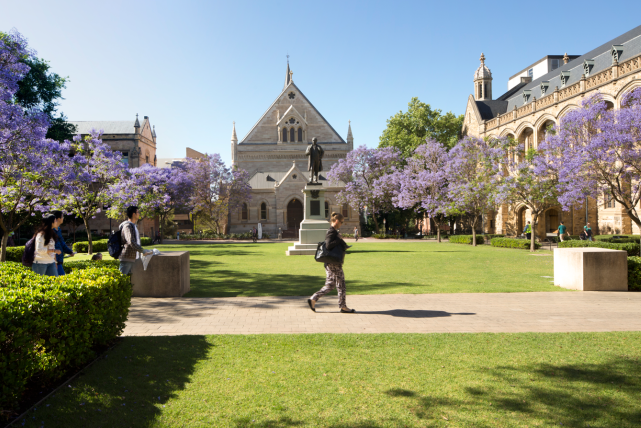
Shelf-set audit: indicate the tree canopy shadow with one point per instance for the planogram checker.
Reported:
(130, 384)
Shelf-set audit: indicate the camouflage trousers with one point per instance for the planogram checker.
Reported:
(335, 279)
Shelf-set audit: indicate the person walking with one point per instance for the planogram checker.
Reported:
(60, 243)
(254, 234)
(178, 235)
(44, 258)
(335, 278)
(562, 230)
(528, 230)
(588, 232)
(130, 241)
(356, 233)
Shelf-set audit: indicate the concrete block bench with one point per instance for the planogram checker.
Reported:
(591, 269)
(167, 275)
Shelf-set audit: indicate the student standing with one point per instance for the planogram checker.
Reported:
(335, 278)
(60, 243)
(44, 258)
(528, 230)
(562, 230)
(356, 233)
(130, 241)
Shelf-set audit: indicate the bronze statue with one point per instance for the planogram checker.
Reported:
(315, 161)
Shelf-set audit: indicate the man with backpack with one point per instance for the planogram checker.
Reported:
(130, 241)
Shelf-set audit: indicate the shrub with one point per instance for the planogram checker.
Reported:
(514, 243)
(466, 239)
(49, 324)
(103, 245)
(382, 236)
(347, 235)
(14, 254)
(88, 264)
(632, 248)
(634, 273)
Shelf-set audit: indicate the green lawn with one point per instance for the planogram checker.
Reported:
(263, 269)
(383, 380)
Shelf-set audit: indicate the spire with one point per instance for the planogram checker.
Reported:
(153, 132)
(349, 132)
(288, 74)
(137, 124)
(483, 81)
(234, 138)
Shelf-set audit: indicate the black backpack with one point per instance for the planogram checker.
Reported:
(114, 246)
(29, 252)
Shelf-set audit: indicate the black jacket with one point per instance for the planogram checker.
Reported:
(332, 239)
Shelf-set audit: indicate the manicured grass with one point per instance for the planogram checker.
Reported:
(383, 380)
(263, 269)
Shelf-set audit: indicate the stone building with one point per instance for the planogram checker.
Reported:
(273, 152)
(538, 97)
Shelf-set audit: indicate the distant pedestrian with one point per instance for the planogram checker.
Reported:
(178, 235)
(60, 243)
(588, 232)
(528, 230)
(356, 233)
(254, 234)
(130, 241)
(335, 278)
(44, 260)
(561, 231)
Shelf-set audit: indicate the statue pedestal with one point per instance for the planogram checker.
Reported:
(314, 226)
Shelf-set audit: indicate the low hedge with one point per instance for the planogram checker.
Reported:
(513, 243)
(102, 245)
(382, 236)
(14, 254)
(631, 248)
(634, 273)
(50, 324)
(466, 239)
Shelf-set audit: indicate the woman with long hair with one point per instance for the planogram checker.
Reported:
(335, 277)
(44, 260)
(60, 242)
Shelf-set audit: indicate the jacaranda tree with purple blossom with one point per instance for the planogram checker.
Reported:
(527, 181)
(217, 190)
(596, 153)
(367, 175)
(474, 175)
(34, 171)
(97, 169)
(423, 183)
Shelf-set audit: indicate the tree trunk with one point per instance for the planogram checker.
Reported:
(375, 223)
(474, 233)
(162, 220)
(535, 219)
(3, 253)
(90, 243)
(438, 232)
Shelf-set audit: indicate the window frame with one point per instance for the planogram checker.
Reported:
(244, 212)
(285, 134)
(263, 211)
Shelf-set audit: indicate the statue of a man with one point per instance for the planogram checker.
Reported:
(315, 160)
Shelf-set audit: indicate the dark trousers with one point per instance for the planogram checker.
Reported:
(528, 235)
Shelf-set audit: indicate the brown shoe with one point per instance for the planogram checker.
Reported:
(311, 304)
(347, 311)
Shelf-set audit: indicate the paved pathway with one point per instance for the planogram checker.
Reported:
(391, 313)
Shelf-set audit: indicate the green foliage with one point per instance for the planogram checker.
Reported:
(631, 248)
(101, 245)
(211, 235)
(407, 130)
(49, 324)
(466, 239)
(14, 254)
(88, 264)
(513, 243)
(634, 273)
(382, 236)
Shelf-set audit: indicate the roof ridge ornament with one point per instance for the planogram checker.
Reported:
(136, 124)
(566, 58)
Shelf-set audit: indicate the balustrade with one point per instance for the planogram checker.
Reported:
(630, 65)
(545, 101)
(598, 78)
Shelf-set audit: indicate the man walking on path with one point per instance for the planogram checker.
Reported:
(356, 233)
(588, 232)
(562, 230)
(130, 241)
(528, 230)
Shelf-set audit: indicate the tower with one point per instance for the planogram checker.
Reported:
(350, 137)
(234, 145)
(482, 82)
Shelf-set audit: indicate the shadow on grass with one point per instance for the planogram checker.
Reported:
(130, 385)
(577, 395)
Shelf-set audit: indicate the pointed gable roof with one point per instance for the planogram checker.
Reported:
(265, 118)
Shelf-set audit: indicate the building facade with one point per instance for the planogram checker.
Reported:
(539, 99)
(273, 152)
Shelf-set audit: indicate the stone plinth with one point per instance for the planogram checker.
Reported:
(591, 269)
(314, 226)
(167, 275)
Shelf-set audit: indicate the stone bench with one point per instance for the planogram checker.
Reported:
(591, 269)
(167, 275)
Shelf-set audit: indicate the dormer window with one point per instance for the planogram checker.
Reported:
(544, 87)
(565, 76)
(587, 66)
(616, 52)
(526, 96)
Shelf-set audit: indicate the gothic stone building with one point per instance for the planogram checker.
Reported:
(538, 97)
(273, 152)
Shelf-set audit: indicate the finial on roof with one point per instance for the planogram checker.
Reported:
(153, 132)
(566, 58)
(233, 132)
(482, 58)
(137, 124)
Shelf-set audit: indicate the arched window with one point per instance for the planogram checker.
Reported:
(292, 135)
(300, 135)
(326, 210)
(263, 211)
(244, 212)
(284, 135)
(345, 210)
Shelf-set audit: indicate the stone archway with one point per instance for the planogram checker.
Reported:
(521, 220)
(543, 130)
(295, 215)
(552, 220)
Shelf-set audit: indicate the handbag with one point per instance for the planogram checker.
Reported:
(335, 256)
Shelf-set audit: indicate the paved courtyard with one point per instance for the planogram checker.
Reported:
(395, 313)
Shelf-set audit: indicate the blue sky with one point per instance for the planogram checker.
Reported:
(194, 67)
